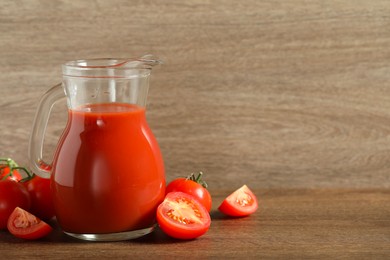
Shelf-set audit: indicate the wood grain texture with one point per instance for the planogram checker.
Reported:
(293, 224)
(270, 93)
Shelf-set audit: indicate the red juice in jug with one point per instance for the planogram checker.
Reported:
(108, 173)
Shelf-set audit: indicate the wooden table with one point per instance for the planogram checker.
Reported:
(290, 223)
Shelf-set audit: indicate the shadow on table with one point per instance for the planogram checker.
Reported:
(156, 237)
(57, 236)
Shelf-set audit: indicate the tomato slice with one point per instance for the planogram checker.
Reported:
(181, 216)
(25, 225)
(240, 203)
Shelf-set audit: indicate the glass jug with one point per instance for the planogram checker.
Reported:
(107, 174)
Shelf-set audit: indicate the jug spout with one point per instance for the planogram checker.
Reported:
(149, 60)
(144, 62)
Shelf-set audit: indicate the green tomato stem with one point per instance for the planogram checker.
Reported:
(198, 179)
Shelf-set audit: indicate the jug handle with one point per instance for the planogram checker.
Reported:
(35, 151)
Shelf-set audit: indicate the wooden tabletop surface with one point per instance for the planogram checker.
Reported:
(289, 97)
(294, 223)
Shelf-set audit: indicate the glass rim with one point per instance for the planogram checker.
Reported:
(113, 63)
(110, 67)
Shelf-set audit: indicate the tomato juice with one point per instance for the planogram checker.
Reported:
(108, 173)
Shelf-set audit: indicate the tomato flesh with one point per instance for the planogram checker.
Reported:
(181, 216)
(192, 188)
(25, 225)
(240, 203)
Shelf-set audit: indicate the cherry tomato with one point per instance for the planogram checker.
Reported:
(9, 170)
(5, 173)
(25, 225)
(181, 216)
(240, 203)
(12, 194)
(42, 204)
(192, 186)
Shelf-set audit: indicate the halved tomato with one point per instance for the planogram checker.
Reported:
(25, 225)
(181, 216)
(240, 203)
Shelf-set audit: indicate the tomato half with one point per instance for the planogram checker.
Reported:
(240, 203)
(25, 225)
(193, 188)
(181, 216)
(42, 204)
(12, 194)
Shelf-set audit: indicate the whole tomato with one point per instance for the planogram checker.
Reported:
(12, 194)
(192, 185)
(41, 200)
(5, 172)
(8, 170)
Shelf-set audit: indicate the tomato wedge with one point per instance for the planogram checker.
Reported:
(25, 225)
(240, 203)
(181, 216)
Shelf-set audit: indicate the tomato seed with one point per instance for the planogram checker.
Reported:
(244, 200)
(25, 220)
(183, 220)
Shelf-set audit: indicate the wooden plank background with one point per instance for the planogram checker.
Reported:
(269, 93)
